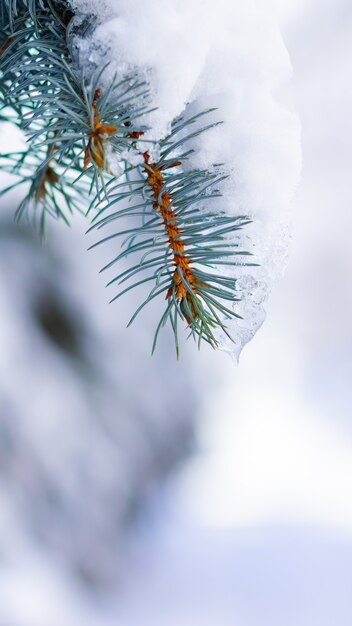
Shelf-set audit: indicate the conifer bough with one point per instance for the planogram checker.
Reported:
(175, 241)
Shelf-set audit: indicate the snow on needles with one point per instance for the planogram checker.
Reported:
(228, 55)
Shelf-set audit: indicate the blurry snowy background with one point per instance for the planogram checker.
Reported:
(255, 528)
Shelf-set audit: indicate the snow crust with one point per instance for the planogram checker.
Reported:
(196, 55)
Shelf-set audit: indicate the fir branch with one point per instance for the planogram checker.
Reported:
(55, 104)
(177, 240)
(180, 244)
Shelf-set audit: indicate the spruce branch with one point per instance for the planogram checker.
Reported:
(169, 228)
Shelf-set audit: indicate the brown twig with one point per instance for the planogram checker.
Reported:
(6, 44)
(162, 204)
(95, 150)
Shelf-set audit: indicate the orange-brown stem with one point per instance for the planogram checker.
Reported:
(162, 204)
(95, 150)
(6, 44)
(50, 177)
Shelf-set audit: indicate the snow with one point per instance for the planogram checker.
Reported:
(198, 55)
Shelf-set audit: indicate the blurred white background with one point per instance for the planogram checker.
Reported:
(283, 427)
(266, 506)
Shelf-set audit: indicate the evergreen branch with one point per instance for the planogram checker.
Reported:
(172, 234)
(56, 105)
(193, 240)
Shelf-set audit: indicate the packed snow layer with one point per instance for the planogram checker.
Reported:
(230, 55)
